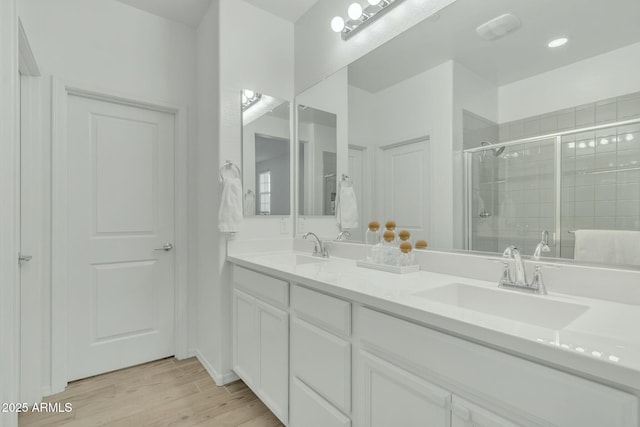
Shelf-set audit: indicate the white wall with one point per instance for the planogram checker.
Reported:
(604, 76)
(320, 52)
(207, 248)
(107, 46)
(254, 49)
(256, 52)
(9, 338)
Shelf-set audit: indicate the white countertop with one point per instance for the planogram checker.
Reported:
(603, 343)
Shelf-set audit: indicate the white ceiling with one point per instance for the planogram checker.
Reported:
(593, 27)
(291, 10)
(186, 11)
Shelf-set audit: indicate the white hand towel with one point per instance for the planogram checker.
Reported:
(230, 213)
(346, 206)
(618, 247)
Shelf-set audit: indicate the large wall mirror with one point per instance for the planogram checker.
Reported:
(266, 154)
(475, 140)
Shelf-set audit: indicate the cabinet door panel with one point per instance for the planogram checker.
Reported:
(392, 396)
(273, 327)
(467, 414)
(322, 361)
(308, 409)
(245, 337)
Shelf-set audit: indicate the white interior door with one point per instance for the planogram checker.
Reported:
(121, 211)
(404, 180)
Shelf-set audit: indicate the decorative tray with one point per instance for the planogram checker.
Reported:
(388, 268)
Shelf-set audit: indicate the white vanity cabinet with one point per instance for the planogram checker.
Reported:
(320, 360)
(261, 337)
(512, 388)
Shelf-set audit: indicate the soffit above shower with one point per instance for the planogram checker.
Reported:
(188, 12)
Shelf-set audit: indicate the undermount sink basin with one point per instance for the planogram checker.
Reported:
(532, 309)
(293, 259)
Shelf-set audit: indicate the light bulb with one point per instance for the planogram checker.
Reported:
(374, 2)
(629, 137)
(249, 93)
(337, 24)
(355, 11)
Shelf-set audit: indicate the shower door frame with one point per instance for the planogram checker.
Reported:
(557, 136)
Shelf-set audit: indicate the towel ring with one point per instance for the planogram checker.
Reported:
(229, 165)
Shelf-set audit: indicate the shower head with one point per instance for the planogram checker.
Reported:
(496, 151)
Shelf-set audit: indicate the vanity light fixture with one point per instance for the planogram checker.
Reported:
(360, 17)
(249, 99)
(558, 42)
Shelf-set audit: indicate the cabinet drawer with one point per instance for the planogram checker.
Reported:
(308, 409)
(322, 361)
(558, 398)
(262, 286)
(327, 312)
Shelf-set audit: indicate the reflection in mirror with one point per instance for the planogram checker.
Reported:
(265, 154)
(317, 163)
(442, 88)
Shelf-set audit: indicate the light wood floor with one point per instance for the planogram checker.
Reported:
(166, 392)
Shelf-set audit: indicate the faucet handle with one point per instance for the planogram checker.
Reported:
(505, 279)
(537, 282)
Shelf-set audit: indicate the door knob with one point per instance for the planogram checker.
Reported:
(166, 247)
(24, 258)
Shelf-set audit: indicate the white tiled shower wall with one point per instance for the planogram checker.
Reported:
(600, 176)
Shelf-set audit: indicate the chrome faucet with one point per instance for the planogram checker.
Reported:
(520, 283)
(344, 234)
(319, 249)
(543, 246)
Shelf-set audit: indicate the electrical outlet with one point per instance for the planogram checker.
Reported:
(283, 225)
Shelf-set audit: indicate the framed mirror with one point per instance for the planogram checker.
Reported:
(266, 154)
(476, 140)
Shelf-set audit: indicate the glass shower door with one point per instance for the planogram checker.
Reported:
(513, 196)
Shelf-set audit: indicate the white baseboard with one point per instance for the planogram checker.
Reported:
(192, 352)
(218, 378)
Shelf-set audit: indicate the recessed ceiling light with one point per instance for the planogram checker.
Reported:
(558, 42)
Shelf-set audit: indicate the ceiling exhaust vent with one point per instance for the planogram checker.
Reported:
(499, 27)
